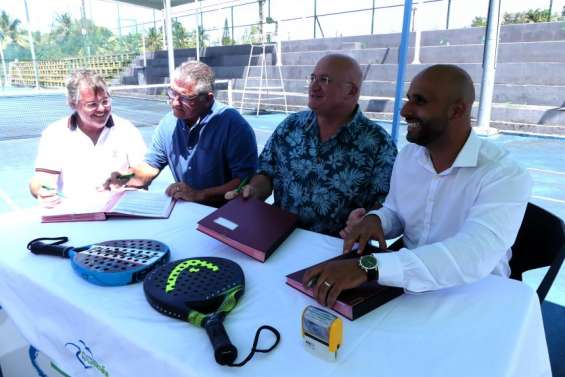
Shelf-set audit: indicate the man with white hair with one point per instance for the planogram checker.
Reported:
(209, 147)
(77, 153)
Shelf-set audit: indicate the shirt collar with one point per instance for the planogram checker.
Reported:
(204, 117)
(359, 117)
(467, 157)
(469, 154)
(73, 122)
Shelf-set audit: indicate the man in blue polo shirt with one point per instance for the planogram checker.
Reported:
(209, 146)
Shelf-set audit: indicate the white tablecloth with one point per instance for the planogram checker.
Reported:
(489, 328)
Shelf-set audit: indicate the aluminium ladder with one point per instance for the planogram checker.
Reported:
(266, 91)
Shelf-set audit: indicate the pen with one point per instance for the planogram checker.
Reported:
(126, 175)
(46, 187)
(238, 189)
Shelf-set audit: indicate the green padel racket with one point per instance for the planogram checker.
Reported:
(203, 291)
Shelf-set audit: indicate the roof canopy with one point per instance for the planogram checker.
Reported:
(155, 4)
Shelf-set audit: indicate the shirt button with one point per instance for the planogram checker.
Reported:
(190, 168)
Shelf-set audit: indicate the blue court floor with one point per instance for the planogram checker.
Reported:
(22, 118)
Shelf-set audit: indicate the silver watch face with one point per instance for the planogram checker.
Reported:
(368, 262)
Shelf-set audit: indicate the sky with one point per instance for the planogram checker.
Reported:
(125, 17)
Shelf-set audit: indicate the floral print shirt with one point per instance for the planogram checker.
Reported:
(322, 182)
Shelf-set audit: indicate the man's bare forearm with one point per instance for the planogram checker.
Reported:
(144, 174)
(215, 195)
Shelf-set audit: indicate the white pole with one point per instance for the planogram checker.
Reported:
(164, 26)
(31, 47)
(417, 34)
(489, 69)
(230, 92)
(170, 46)
(143, 49)
(198, 19)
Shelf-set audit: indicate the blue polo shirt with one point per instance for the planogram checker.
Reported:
(218, 148)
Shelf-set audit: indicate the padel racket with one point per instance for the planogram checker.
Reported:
(108, 263)
(203, 291)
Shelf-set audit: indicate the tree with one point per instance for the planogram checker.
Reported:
(527, 17)
(62, 27)
(154, 39)
(181, 38)
(530, 16)
(226, 38)
(251, 36)
(204, 37)
(9, 33)
(479, 21)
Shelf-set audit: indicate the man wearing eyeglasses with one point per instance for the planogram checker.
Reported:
(77, 153)
(323, 163)
(209, 147)
(456, 199)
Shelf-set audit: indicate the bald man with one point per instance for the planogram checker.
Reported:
(457, 200)
(323, 163)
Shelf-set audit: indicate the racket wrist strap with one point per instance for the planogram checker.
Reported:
(39, 246)
(254, 348)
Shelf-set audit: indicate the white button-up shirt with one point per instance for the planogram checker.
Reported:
(457, 225)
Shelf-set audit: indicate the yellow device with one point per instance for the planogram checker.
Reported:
(322, 332)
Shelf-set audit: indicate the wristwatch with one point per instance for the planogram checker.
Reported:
(369, 264)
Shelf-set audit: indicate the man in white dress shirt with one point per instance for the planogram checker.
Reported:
(457, 200)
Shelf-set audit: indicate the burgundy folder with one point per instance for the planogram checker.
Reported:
(355, 302)
(250, 226)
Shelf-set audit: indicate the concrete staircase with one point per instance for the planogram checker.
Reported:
(529, 94)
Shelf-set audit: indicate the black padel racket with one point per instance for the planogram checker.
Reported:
(203, 291)
(108, 263)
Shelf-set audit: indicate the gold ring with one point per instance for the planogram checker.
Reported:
(327, 284)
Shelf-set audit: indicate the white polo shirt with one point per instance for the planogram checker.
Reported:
(457, 225)
(83, 166)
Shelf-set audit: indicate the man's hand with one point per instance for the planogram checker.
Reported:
(353, 219)
(332, 278)
(369, 228)
(246, 191)
(182, 191)
(117, 180)
(48, 198)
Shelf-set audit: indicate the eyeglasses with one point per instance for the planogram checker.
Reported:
(323, 80)
(185, 100)
(93, 106)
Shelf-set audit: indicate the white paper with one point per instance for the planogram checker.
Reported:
(226, 223)
(143, 203)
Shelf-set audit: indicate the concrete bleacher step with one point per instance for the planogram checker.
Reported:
(540, 120)
(552, 31)
(529, 73)
(547, 51)
(529, 83)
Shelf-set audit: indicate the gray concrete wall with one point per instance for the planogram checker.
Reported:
(530, 84)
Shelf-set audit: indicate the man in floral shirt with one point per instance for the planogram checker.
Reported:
(323, 163)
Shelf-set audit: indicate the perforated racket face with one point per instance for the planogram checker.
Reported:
(121, 255)
(199, 284)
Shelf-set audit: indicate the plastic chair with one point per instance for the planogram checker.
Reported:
(540, 242)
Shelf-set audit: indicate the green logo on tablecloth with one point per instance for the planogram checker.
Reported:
(85, 356)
